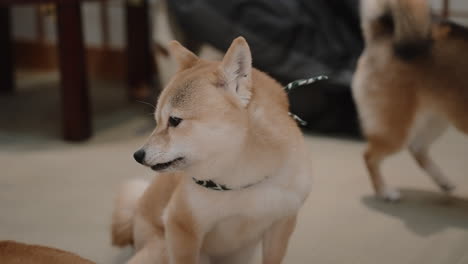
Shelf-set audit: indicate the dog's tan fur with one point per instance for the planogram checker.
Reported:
(18, 253)
(235, 131)
(410, 84)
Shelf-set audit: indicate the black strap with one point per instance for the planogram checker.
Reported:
(211, 185)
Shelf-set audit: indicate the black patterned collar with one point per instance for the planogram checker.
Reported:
(209, 184)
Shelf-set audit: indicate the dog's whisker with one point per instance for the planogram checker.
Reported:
(143, 102)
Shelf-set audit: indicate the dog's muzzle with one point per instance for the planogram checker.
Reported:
(166, 165)
(140, 154)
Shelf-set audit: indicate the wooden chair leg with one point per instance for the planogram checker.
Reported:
(141, 67)
(7, 79)
(75, 103)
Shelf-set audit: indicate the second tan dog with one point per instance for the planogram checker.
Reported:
(233, 168)
(410, 85)
(12, 252)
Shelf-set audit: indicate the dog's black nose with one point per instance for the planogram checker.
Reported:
(139, 156)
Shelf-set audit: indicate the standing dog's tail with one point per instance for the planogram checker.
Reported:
(124, 212)
(407, 23)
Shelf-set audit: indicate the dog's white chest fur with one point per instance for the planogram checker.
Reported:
(241, 217)
(234, 233)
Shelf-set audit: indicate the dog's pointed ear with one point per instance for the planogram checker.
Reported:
(184, 57)
(236, 70)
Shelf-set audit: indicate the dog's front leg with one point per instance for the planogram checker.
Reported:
(276, 239)
(183, 241)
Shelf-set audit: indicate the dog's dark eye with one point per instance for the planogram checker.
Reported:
(174, 121)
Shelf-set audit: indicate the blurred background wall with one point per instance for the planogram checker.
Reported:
(24, 21)
(24, 24)
(308, 52)
(300, 49)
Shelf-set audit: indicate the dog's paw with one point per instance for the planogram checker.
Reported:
(390, 195)
(447, 187)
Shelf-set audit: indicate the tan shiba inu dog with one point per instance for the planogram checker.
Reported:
(233, 168)
(410, 84)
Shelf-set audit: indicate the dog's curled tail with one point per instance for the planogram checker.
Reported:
(406, 22)
(125, 208)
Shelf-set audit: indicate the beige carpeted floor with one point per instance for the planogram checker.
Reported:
(60, 194)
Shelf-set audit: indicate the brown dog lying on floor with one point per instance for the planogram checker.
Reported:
(410, 85)
(18, 253)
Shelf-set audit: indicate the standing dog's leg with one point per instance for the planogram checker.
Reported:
(387, 111)
(419, 148)
(377, 150)
(276, 240)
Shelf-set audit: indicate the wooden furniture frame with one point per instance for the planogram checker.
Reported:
(75, 106)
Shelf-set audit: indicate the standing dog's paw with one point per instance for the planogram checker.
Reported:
(390, 195)
(447, 187)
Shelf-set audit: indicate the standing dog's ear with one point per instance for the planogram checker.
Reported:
(184, 57)
(236, 70)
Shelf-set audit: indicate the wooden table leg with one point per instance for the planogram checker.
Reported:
(7, 79)
(446, 9)
(75, 103)
(141, 67)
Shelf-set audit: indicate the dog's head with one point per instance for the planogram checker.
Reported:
(201, 115)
